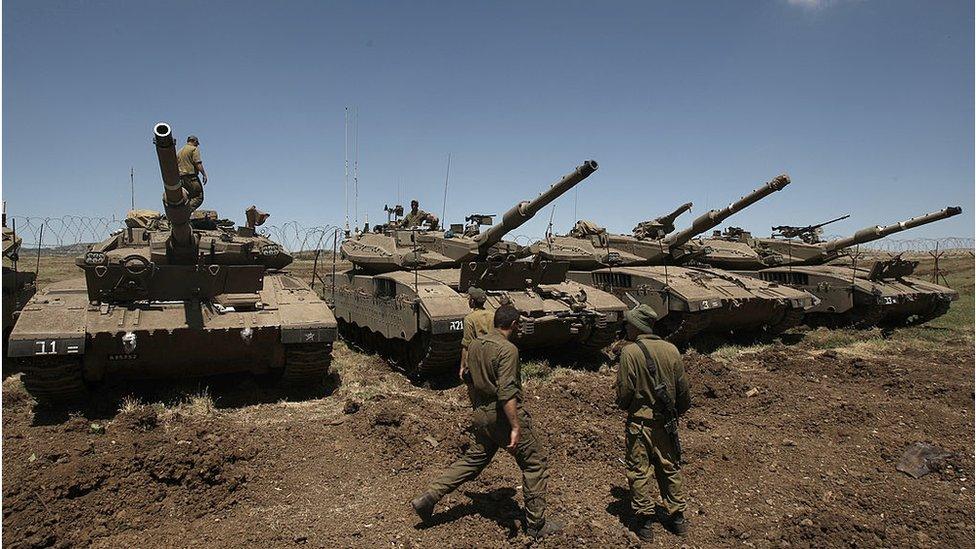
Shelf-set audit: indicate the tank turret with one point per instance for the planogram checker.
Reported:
(870, 234)
(397, 248)
(181, 242)
(524, 211)
(713, 218)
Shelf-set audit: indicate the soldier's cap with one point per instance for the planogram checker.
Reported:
(477, 295)
(193, 138)
(641, 317)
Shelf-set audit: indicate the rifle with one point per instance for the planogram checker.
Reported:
(665, 404)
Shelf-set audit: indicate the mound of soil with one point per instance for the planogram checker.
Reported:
(85, 480)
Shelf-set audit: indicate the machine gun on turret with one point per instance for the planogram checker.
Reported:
(809, 234)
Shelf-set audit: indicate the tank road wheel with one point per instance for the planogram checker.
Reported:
(867, 316)
(306, 364)
(790, 319)
(428, 355)
(54, 380)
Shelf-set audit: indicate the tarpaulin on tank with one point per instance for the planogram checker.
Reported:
(586, 228)
(142, 219)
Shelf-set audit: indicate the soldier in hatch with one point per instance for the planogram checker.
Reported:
(415, 217)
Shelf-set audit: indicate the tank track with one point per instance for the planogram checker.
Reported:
(600, 338)
(690, 325)
(433, 355)
(937, 310)
(866, 316)
(791, 319)
(54, 380)
(422, 357)
(306, 364)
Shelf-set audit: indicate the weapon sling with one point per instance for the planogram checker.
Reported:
(664, 402)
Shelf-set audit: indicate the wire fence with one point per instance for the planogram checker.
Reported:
(71, 234)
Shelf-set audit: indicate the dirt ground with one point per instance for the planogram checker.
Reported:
(792, 443)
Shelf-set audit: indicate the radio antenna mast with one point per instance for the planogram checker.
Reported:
(132, 186)
(447, 179)
(355, 172)
(345, 172)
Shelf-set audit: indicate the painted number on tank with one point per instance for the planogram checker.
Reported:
(46, 347)
(457, 324)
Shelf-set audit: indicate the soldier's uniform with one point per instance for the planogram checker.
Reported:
(188, 157)
(416, 219)
(493, 362)
(650, 452)
(477, 324)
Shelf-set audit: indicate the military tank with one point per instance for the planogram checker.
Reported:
(18, 285)
(851, 291)
(652, 266)
(173, 302)
(406, 293)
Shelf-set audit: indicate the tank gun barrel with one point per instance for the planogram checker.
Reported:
(674, 215)
(713, 218)
(870, 234)
(524, 211)
(174, 197)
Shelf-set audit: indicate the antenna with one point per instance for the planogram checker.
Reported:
(355, 172)
(40, 239)
(575, 204)
(345, 173)
(132, 186)
(552, 212)
(447, 178)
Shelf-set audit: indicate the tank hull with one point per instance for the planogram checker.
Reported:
(850, 297)
(60, 327)
(417, 319)
(691, 301)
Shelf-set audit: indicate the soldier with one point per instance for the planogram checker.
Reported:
(190, 166)
(652, 387)
(477, 324)
(416, 216)
(498, 421)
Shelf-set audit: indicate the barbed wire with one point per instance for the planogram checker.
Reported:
(73, 233)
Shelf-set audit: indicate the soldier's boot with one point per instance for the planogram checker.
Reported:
(645, 528)
(677, 524)
(423, 505)
(548, 527)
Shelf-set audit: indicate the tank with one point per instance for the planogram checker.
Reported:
(161, 299)
(18, 285)
(850, 291)
(652, 266)
(406, 293)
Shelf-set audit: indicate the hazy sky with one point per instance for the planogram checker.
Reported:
(868, 105)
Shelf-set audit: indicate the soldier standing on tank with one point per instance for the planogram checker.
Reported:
(498, 421)
(416, 216)
(477, 324)
(652, 387)
(191, 170)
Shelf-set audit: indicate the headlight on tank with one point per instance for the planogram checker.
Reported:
(270, 250)
(95, 258)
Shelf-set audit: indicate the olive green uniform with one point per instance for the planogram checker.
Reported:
(188, 157)
(650, 452)
(477, 324)
(415, 219)
(495, 378)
